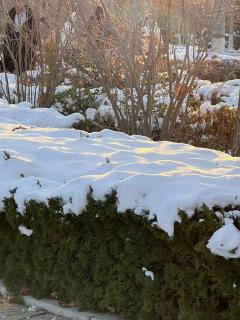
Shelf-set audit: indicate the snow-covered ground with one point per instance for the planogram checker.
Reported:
(158, 177)
(180, 53)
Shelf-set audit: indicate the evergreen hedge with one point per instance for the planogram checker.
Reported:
(95, 261)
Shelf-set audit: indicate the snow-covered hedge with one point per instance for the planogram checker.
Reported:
(158, 177)
(149, 249)
(23, 113)
(123, 263)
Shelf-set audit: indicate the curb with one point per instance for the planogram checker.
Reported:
(53, 307)
(3, 289)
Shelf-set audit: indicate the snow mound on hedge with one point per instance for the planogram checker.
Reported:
(24, 113)
(225, 242)
(158, 177)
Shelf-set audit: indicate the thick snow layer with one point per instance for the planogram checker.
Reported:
(225, 242)
(23, 230)
(62, 88)
(159, 177)
(91, 114)
(24, 113)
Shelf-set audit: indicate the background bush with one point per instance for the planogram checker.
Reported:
(77, 100)
(214, 130)
(95, 260)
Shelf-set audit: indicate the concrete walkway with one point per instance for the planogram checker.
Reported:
(10, 311)
(43, 309)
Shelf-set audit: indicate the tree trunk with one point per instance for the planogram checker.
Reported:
(218, 37)
(231, 30)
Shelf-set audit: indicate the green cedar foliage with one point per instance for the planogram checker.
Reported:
(95, 261)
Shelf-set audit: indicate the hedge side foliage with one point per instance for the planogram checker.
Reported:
(95, 261)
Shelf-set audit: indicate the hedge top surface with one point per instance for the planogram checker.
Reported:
(157, 177)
